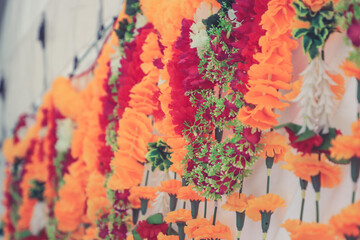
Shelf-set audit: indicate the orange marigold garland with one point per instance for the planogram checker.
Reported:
(274, 69)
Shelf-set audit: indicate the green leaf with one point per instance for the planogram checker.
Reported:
(299, 32)
(292, 126)
(301, 9)
(155, 219)
(341, 161)
(305, 135)
(313, 51)
(323, 34)
(327, 14)
(326, 144)
(23, 234)
(307, 41)
(317, 21)
(136, 235)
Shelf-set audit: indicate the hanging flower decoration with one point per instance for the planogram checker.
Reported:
(180, 217)
(307, 166)
(261, 208)
(347, 222)
(187, 193)
(217, 231)
(172, 188)
(347, 146)
(146, 194)
(238, 203)
(161, 236)
(308, 230)
(194, 224)
(150, 231)
(265, 80)
(274, 146)
(274, 149)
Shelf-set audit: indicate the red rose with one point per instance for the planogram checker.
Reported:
(306, 146)
(150, 231)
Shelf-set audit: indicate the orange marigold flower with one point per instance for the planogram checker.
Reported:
(310, 231)
(275, 146)
(217, 231)
(278, 18)
(350, 69)
(315, 5)
(188, 193)
(134, 198)
(306, 166)
(347, 222)
(161, 236)
(348, 146)
(171, 187)
(258, 117)
(194, 224)
(295, 90)
(146, 192)
(180, 215)
(237, 202)
(291, 225)
(265, 203)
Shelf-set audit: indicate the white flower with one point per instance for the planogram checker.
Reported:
(64, 133)
(198, 34)
(39, 218)
(316, 99)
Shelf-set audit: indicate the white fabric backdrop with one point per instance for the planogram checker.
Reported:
(71, 26)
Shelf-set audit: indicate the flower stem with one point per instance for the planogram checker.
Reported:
(174, 175)
(317, 206)
(238, 235)
(215, 210)
(205, 208)
(269, 164)
(354, 193)
(169, 229)
(268, 181)
(147, 178)
(264, 235)
(302, 205)
(303, 186)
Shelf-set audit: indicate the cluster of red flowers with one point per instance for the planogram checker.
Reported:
(247, 37)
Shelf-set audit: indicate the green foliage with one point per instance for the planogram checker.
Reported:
(110, 136)
(159, 156)
(155, 219)
(216, 111)
(37, 190)
(322, 24)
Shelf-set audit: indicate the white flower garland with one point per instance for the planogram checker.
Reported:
(316, 98)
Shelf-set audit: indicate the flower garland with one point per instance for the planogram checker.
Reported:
(176, 89)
